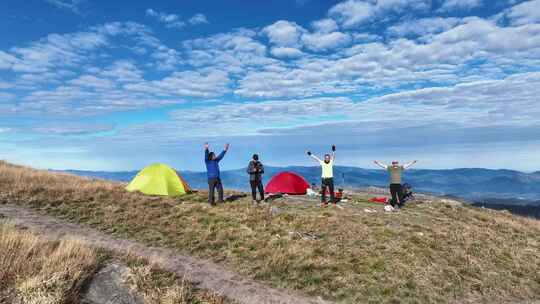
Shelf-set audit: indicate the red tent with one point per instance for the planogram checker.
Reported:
(287, 183)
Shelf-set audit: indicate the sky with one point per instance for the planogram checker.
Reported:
(118, 85)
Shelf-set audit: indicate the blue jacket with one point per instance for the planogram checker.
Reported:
(212, 166)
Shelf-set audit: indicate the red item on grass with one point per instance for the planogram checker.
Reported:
(382, 200)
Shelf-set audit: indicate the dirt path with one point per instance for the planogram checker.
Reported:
(206, 274)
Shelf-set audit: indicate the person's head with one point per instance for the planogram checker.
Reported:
(255, 157)
(327, 158)
(211, 155)
(395, 163)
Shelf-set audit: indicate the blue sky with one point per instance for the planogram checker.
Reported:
(116, 85)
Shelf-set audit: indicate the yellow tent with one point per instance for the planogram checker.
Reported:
(158, 179)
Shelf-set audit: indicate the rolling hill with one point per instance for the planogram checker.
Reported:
(432, 251)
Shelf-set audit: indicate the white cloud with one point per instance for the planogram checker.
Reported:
(425, 26)
(510, 102)
(368, 67)
(198, 19)
(5, 97)
(352, 13)
(286, 52)
(83, 76)
(365, 37)
(166, 58)
(91, 81)
(174, 21)
(247, 118)
(123, 71)
(234, 52)
(289, 37)
(449, 5)
(188, 83)
(525, 13)
(67, 49)
(170, 20)
(284, 33)
(57, 51)
(6, 60)
(325, 25)
(5, 85)
(326, 41)
(71, 5)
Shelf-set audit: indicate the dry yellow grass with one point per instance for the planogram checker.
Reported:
(38, 271)
(159, 287)
(429, 253)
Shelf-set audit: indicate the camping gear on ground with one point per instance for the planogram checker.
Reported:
(159, 179)
(310, 192)
(407, 192)
(338, 196)
(287, 183)
(381, 200)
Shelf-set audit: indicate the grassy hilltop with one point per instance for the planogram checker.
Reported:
(429, 252)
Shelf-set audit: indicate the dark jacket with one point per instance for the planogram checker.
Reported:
(212, 166)
(255, 170)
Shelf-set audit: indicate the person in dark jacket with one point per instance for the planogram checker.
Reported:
(255, 170)
(212, 170)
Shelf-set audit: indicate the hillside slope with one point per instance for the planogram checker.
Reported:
(429, 252)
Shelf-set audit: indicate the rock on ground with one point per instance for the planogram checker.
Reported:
(108, 287)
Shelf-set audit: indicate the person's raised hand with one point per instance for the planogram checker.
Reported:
(334, 148)
(227, 146)
(206, 145)
(308, 153)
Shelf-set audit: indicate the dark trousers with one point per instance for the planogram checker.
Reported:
(214, 183)
(256, 184)
(397, 194)
(327, 182)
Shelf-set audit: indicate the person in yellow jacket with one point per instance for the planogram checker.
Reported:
(327, 174)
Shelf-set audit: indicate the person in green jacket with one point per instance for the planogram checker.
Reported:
(327, 175)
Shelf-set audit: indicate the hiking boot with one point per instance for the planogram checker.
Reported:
(324, 205)
(254, 202)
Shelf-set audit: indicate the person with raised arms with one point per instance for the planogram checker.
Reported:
(396, 189)
(327, 174)
(213, 174)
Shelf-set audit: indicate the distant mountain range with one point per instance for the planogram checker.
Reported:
(478, 185)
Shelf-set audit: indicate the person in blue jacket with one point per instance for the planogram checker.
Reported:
(212, 170)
